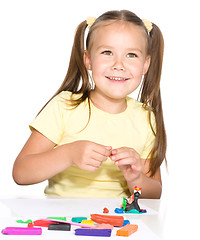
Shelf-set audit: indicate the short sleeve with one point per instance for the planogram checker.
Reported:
(150, 140)
(49, 122)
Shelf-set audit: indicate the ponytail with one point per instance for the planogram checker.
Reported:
(151, 97)
(77, 78)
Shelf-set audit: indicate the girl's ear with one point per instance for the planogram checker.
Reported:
(146, 64)
(87, 61)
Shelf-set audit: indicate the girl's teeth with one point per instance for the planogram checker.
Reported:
(117, 78)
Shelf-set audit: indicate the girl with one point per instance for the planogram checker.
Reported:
(91, 139)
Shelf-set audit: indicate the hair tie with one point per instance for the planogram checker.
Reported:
(148, 25)
(90, 21)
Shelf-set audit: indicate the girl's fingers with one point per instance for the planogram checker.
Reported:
(121, 154)
(125, 156)
(126, 161)
(103, 150)
(98, 157)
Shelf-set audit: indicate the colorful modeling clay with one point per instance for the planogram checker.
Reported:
(116, 221)
(72, 223)
(60, 227)
(105, 210)
(21, 231)
(103, 226)
(119, 210)
(126, 222)
(130, 205)
(42, 223)
(30, 225)
(89, 222)
(132, 202)
(58, 218)
(127, 230)
(21, 221)
(78, 219)
(93, 232)
(124, 203)
(143, 210)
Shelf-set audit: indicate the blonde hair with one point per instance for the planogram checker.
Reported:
(77, 79)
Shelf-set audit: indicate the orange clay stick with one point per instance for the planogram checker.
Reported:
(116, 221)
(127, 230)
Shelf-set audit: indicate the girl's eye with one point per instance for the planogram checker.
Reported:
(131, 55)
(107, 52)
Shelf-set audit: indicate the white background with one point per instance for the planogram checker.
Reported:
(35, 43)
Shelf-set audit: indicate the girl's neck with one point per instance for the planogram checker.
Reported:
(113, 106)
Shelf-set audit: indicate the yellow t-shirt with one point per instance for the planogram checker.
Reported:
(127, 129)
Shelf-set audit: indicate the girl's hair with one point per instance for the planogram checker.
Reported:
(77, 79)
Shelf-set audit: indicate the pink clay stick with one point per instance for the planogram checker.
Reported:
(21, 231)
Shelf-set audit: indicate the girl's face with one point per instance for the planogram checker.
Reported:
(117, 59)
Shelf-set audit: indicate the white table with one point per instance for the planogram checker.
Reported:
(12, 209)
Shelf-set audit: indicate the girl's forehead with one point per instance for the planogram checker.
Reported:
(113, 30)
(117, 25)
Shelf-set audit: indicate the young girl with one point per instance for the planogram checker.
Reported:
(91, 139)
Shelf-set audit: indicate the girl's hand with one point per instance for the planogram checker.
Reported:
(88, 155)
(129, 162)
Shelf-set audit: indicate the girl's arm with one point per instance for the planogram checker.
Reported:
(151, 186)
(135, 171)
(39, 160)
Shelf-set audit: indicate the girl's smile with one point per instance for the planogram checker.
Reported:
(118, 61)
(117, 79)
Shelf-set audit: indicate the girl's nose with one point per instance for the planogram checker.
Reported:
(118, 65)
